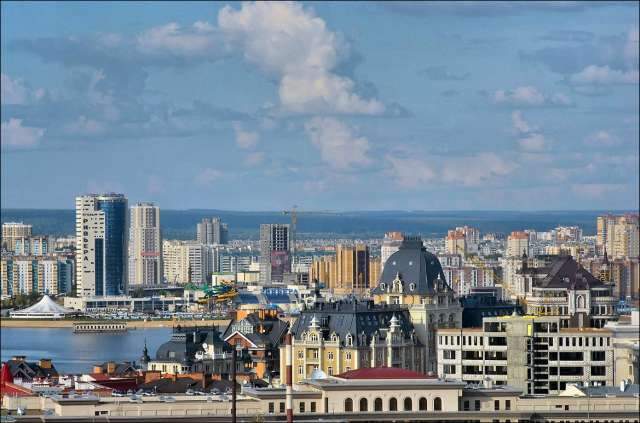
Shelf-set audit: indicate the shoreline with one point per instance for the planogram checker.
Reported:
(131, 324)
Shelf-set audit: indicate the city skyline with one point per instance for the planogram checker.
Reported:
(182, 105)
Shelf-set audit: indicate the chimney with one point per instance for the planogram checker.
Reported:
(289, 377)
(97, 369)
(111, 367)
(488, 383)
(623, 385)
(45, 363)
(19, 358)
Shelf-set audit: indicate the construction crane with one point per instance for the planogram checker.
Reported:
(292, 235)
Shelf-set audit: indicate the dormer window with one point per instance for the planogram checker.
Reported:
(412, 286)
(334, 337)
(349, 340)
(313, 337)
(383, 286)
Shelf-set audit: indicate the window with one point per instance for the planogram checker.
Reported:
(393, 404)
(408, 404)
(300, 354)
(348, 405)
(465, 406)
(422, 404)
(315, 353)
(477, 404)
(282, 407)
(302, 407)
(330, 356)
(507, 405)
(363, 404)
(349, 340)
(271, 408)
(313, 406)
(300, 370)
(348, 356)
(496, 405)
(597, 355)
(377, 404)
(437, 404)
(330, 370)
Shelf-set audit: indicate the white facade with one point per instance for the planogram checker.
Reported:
(145, 245)
(89, 229)
(187, 261)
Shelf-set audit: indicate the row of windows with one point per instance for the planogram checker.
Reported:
(496, 405)
(393, 404)
(562, 341)
(302, 407)
(315, 354)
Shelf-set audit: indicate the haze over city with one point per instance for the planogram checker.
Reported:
(356, 106)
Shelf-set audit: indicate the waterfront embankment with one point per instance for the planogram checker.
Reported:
(131, 324)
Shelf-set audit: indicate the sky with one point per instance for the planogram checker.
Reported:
(327, 106)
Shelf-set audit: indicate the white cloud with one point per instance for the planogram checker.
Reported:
(475, 170)
(521, 125)
(16, 136)
(14, 91)
(529, 96)
(601, 139)
(631, 48)
(208, 176)
(295, 46)
(338, 145)
(604, 75)
(254, 158)
(198, 40)
(595, 190)
(533, 143)
(245, 139)
(410, 172)
(85, 126)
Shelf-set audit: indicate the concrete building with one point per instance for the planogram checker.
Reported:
(49, 274)
(145, 245)
(335, 337)
(31, 246)
(101, 244)
(390, 244)
(568, 290)
(517, 244)
(13, 230)
(534, 354)
(187, 262)
(618, 235)
(212, 231)
(275, 254)
(413, 277)
(455, 243)
(625, 335)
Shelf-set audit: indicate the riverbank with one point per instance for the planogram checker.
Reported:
(131, 324)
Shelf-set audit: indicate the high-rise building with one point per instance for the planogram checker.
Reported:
(471, 237)
(455, 243)
(30, 274)
(618, 235)
(517, 244)
(12, 231)
(390, 245)
(352, 267)
(212, 231)
(186, 262)
(145, 245)
(275, 258)
(101, 244)
(33, 245)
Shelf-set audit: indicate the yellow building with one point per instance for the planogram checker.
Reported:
(340, 336)
(350, 270)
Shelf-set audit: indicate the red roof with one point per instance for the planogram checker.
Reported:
(11, 390)
(5, 374)
(383, 373)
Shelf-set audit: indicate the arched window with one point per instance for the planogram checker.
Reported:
(408, 405)
(580, 301)
(330, 355)
(313, 337)
(393, 404)
(412, 286)
(348, 355)
(348, 405)
(364, 406)
(349, 340)
(422, 404)
(377, 404)
(437, 404)
(383, 286)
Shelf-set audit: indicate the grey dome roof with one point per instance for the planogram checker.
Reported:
(413, 264)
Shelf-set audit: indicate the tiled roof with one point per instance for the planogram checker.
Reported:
(383, 373)
(567, 273)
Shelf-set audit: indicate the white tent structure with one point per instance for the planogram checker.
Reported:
(46, 308)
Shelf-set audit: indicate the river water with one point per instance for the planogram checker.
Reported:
(77, 353)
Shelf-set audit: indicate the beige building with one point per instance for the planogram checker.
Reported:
(145, 245)
(455, 243)
(517, 244)
(40, 274)
(336, 337)
(618, 235)
(350, 270)
(186, 261)
(12, 231)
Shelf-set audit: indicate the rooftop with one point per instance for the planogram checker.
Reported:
(383, 373)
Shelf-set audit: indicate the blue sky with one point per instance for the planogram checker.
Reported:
(341, 106)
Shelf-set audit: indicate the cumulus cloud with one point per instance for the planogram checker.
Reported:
(520, 124)
(602, 139)
(85, 126)
(293, 45)
(16, 136)
(604, 75)
(208, 176)
(245, 139)
(254, 159)
(198, 40)
(15, 91)
(410, 172)
(533, 143)
(339, 146)
(528, 96)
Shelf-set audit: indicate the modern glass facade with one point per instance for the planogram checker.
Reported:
(114, 254)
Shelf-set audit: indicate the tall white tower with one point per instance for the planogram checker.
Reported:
(145, 245)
